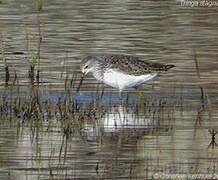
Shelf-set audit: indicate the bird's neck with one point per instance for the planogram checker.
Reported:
(98, 72)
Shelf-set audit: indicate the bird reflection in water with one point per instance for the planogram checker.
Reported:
(119, 119)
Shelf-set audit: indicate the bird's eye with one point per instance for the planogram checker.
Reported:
(86, 67)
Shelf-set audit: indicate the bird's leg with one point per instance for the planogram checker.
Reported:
(102, 91)
(120, 95)
(141, 95)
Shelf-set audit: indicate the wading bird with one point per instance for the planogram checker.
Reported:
(122, 71)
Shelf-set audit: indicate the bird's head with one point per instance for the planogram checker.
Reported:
(88, 64)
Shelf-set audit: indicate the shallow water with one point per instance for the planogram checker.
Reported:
(50, 131)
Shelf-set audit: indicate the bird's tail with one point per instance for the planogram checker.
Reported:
(168, 66)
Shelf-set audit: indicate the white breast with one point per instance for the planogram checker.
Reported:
(121, 81)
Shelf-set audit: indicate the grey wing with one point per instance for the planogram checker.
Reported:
(133, 65)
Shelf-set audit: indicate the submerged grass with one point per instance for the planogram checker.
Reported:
(98, 134)
(7, 74)
(90, 122)
(83, 122)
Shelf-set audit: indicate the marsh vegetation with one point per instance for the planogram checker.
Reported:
(52, 126)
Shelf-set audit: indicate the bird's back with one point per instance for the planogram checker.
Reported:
(132, 65)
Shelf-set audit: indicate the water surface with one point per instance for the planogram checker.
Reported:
(49, 131)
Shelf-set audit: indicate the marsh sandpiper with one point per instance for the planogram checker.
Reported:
(122, 71)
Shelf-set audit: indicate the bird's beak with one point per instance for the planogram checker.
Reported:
(84, 72)
(81, 81)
